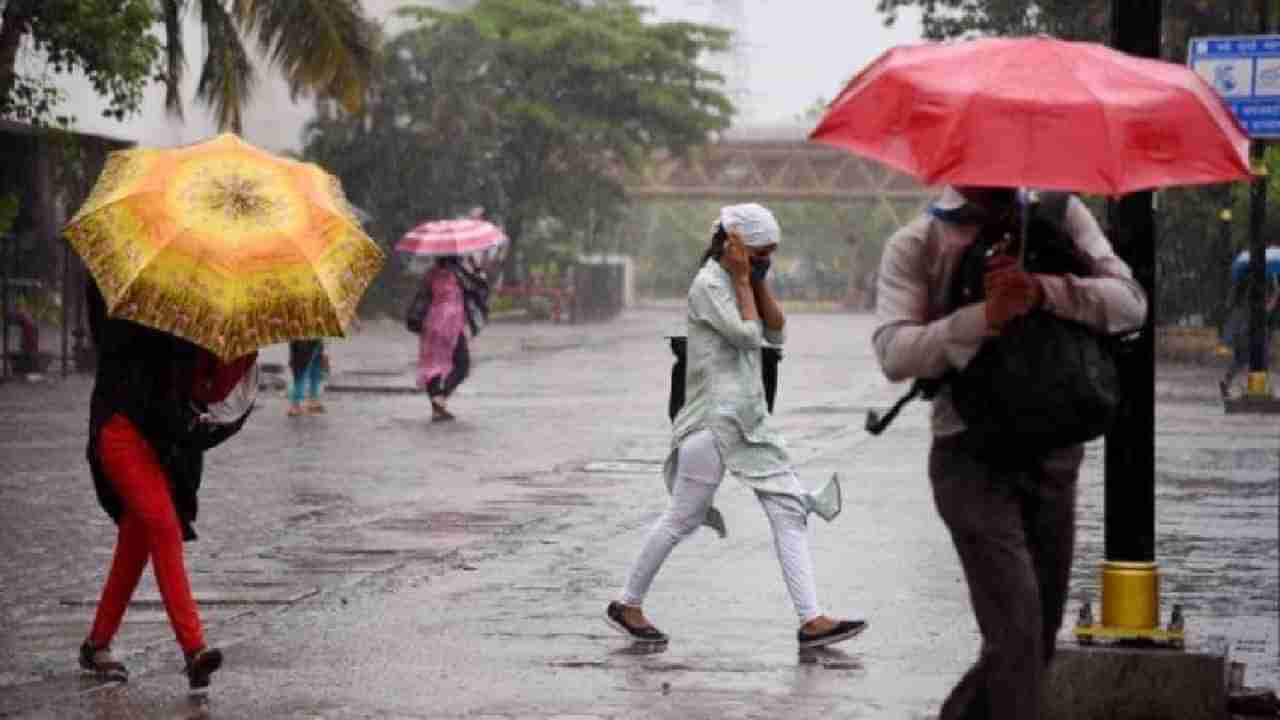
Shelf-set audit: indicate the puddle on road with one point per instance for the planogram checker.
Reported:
(625, 466)
(845, 663)
(1217, 551)
(452, 523)
(549, 499)
(828, 410)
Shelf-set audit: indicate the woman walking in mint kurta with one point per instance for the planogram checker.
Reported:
(723, 428)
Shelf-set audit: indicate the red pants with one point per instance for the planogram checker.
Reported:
(149, 528)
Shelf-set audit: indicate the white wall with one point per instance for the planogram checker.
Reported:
(271, 120)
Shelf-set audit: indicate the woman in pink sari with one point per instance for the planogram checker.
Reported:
(458, 298)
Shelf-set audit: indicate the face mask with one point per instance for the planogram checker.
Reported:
(760, 268)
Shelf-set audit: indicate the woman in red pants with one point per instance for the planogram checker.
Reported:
(158, 403)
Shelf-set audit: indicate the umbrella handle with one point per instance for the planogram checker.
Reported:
(1029, 198)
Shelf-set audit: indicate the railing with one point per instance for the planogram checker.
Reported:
(560, 299)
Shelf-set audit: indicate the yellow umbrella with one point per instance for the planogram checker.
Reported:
(225, 245)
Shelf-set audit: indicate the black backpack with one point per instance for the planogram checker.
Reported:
(419, 306)
(1044, 382)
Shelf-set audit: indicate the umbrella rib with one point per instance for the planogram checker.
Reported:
(74, 221)
(969, 99)
(1203, 110)
(1197, 102)
(1117, 172)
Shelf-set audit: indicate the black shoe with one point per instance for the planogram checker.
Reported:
(613, 616)
(842, 631)
(100, 662)
(201, 665)
(1225, 388)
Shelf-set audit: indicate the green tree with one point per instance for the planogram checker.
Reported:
(1078, 19)
(947, 19)
(323, 46)
(73, 35)
(580, 91)
(423, 147)
(812, 114)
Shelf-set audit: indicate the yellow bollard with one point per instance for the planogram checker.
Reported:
(1257, 384)
(1130, 595)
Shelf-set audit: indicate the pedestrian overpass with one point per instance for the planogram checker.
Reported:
(832, 205)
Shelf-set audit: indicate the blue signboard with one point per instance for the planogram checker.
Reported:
(1245, 70)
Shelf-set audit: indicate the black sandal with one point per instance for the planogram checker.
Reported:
(841, 631)
(648, 633)
(102, 664)
(200, 665)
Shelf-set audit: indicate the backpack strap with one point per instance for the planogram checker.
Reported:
(926, 388)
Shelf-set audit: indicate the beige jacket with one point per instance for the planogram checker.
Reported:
(915, 338)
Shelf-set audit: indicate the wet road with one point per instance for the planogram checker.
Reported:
(367, 563)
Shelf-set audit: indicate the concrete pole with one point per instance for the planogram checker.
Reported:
(1130, 582)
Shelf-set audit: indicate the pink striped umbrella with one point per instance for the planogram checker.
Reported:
(451, 237)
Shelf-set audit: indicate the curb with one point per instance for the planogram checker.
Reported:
(373, 389)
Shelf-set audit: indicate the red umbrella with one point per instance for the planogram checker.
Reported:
(1037, 112)
(451, 237)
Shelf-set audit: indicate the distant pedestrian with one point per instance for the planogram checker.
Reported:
(1011, 513)
(307, 362)
(723, 428)
(158, 403)
(1235, 333)
(457, 299)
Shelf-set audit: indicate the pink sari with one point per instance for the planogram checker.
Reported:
(444, 326)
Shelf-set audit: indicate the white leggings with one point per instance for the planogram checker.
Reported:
(698, 474)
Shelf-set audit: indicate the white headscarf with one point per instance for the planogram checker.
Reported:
(753, 222)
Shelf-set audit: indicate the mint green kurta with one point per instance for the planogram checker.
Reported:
(723, 389)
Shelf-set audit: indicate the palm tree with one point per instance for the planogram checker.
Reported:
(323, 46)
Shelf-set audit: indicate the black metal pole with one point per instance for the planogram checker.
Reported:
(1129, 464)
(66, 309)
(1257, 245)
(1257, 262)
(1225, 256)
(6, 245)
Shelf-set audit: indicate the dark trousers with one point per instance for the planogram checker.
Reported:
(1014, 529)
(444, 386)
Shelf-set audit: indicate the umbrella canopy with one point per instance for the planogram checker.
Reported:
(1240, 266)
(451, 237)
(1037, 112)
(224, 245)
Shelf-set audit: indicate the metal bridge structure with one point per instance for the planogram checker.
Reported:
(853, 202)
(766, 166)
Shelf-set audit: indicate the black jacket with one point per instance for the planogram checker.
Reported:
(146, 376)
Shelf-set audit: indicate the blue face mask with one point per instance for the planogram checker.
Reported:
(760, 267)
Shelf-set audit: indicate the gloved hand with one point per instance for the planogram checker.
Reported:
(1010, 292)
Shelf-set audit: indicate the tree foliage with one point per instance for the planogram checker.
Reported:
(582, 90)
(424, 144)
(532, 109)
(1194, 249)
(82, 35)
(121, 46)
(321, 46)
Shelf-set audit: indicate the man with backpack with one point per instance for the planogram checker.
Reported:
(1010, 511)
